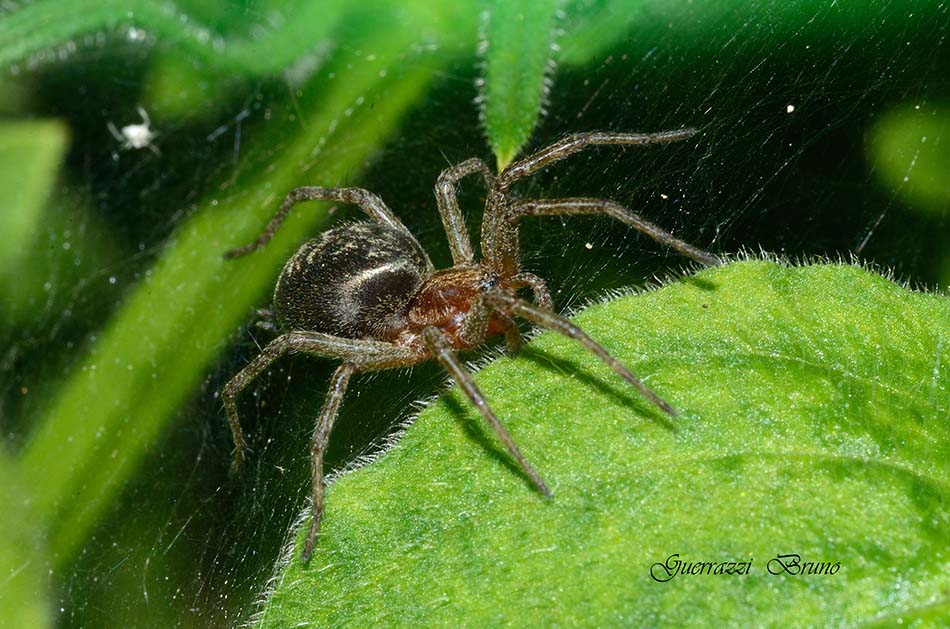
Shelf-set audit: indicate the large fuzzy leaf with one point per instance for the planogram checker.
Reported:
(814, 420)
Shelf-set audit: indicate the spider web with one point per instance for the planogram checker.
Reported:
(782, 164)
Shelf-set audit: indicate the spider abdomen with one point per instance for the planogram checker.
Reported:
(354, 281)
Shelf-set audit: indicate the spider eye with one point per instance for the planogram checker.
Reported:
(489, 282)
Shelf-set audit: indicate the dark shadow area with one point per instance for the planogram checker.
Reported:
(483, 437)
(700, 283)
(615, 388)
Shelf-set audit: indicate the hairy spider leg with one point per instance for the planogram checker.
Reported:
(366, 200)
(145, 119)
(475, 327)
(308, 343)
(452, 220)
(570, 144)
(358, 355)
(512, 334)
(542, 296)
(509, 304)
(115, 133)
(500, 236)
(389, 359)
(554, 207)
(318, 447)
(441, 349)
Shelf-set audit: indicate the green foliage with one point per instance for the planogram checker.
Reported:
(909, 157)
(23, 573)
(31, 153)
(806, 426)
(38, 224)
(519, 49)
(40, 28)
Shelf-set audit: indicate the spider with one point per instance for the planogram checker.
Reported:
(135, 136)
(366, 293)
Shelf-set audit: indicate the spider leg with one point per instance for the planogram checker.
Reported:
(115, 132)
(499, 237)
(542, 296)
(441, 350)
(512, 334)
(475, 328)
(570, 144)
(145, 119)
(395, 356)
(308, 343)
(366, 200)
(267, 326)
(551, 207)
(452, 219)
(512, 305)
(318, 446)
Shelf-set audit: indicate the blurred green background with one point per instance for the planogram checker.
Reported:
(824, 133)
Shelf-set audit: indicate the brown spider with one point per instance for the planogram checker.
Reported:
(367, 294)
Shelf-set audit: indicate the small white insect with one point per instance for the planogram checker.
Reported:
(136, 136)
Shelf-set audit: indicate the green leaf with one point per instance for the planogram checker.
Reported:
(518, 46)
(910, 150)
(31, 153)
(23, 576)
(813, 419)
(286, 32)
(36, 30)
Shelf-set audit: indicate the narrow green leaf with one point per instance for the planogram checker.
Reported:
(31, 153)
(38, 30)
(814, 419)
(32, 208)
(23, 576)
(518, 45)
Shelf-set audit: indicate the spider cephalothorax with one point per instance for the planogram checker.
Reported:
(367, 294)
